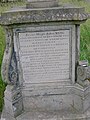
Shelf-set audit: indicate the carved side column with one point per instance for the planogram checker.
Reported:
(13, 96)
(7, 56)
(83, 73)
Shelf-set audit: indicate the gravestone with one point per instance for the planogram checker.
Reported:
(41, 3)
(46, 80)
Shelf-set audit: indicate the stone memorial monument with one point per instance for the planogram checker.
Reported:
(46, 80)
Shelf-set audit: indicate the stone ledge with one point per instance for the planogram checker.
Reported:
(58, 14)
(51, 115)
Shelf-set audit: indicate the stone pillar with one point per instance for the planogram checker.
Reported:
(41, 3)
(41, 63)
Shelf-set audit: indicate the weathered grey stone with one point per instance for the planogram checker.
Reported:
(13, 101)
(83, 73)
(41, 15)
(41, 3)
(51, 115)
(40, 64)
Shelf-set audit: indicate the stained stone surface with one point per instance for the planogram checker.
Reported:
(41, 3)
(51, 115)
(44, 56)
(40, 63)
(58, 14)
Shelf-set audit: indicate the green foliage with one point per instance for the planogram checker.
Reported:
(85, 41)
(2, 46)
(2, 88)
(85, 29)
(8, 5)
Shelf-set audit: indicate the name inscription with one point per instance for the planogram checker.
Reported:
(44, 56)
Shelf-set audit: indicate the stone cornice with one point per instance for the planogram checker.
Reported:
(43, 15)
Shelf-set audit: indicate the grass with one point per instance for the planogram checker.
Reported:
(85, 29)
(2, 47)
(85, 41)
(85, 36)
(6, 6)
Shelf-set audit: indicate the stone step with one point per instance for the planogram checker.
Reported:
(48, 115)
(54, 115)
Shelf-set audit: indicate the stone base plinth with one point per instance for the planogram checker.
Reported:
(60, 103)
(51, 115)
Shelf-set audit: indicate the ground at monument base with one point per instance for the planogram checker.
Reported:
(51, 115)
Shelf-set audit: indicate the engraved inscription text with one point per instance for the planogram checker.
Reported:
(44, 56)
